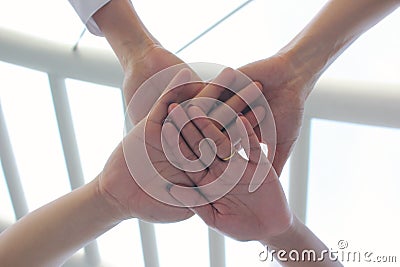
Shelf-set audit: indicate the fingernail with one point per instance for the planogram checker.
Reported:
(259, 85)
(172, 106)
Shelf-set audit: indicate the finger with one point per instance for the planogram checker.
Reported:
(213, 90)
(189, 132)
(209, 130)
(250, 142)
(255, 117)
(176, 150)
(257, 157)
(180, 155)
(172, 91)
(237, 103)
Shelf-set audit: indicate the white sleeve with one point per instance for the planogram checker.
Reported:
(86, 9)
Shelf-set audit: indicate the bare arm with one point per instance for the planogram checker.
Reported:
(289, 76)
(333, 29)
(51, 234)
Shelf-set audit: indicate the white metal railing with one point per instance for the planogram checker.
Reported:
(70, 148)
(10, 171)
(373, 105)
(86, 64)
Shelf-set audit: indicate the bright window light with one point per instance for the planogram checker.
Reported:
(33, 130)
(354, 186)
(98, 117)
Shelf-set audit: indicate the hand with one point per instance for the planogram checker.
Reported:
(258, 215)
(127, 177)
(138, 173)
(282, 87)
(153, 58)
(139, 68)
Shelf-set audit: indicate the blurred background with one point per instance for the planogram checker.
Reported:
(346, 164)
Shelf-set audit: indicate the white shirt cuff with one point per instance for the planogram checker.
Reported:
(86, 9)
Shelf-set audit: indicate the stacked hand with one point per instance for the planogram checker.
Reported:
(282, 86)
(138, 174)
(240, 198)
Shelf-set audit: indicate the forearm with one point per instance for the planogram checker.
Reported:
(51, 234)
(123, 29)
(289, 248)
(333, 29)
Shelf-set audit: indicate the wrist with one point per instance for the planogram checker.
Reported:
(297, 240)
(132, 51)
(124, 30)
(307, 60)
(107, 208)
(286, 238)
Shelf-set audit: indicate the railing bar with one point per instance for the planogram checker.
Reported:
(67, 133)
(299, 172)
(70, 148)
(128, 125)
(92, 254)
(356, 102)
(149, 244)
(10, 170)
(87, 64)
(216, 248)
(333, 100)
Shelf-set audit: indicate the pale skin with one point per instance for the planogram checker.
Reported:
(287, 79)
(51, 234)
(262, 215)
(141, 56)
